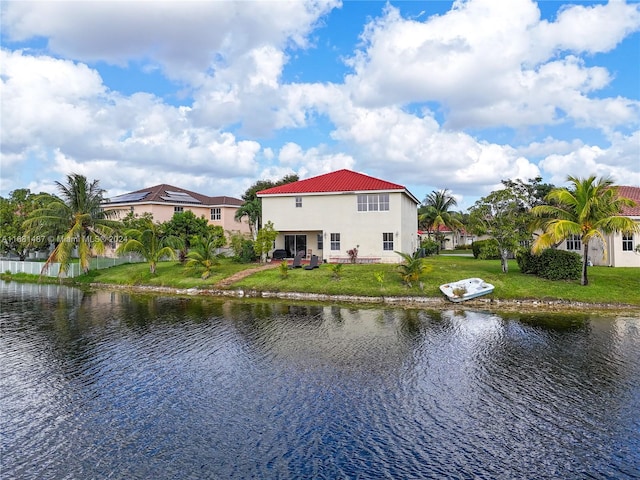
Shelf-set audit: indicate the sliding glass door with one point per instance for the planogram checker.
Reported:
(295, 243)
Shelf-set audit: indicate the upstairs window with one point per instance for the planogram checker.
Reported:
(178, 209)
(216, 214)
(298, 202)
(373, 202)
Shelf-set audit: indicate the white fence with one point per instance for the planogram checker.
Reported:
(35, 268)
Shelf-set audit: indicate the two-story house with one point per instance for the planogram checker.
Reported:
(163, 201)
(332, 213)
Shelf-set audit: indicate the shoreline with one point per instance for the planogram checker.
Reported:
(522, 305)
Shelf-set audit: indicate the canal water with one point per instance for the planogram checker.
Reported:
(117, 385)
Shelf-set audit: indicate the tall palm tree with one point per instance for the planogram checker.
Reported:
(150, 243)
(436, 213)
(76, 220)
(252, 209)
(590, 208)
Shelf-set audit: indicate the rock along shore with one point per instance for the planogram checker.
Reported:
(527, 305)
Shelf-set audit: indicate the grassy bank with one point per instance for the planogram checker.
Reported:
(606, 285)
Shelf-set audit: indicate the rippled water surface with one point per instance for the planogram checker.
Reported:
(114, 385)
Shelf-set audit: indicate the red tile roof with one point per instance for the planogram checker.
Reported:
(338, 181)
(634, 194)
(157, 192)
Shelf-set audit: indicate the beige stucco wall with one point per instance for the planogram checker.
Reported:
(163, 213)
(338, 213)
(610, 254)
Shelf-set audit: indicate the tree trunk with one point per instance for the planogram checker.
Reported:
(585, 261)
(504, 261)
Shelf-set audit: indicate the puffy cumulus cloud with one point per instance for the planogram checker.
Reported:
(163, 33)
(246, 92)
(495, 66)
(619, 161)
(52, 105)
(416, 150)
(46, 100)
(314, 161)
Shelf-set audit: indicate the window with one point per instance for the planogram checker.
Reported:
(627, 243)
(574, 243)
(216, 213)
(320, 242)
(335, 241)
(373, 202)
(387, 241)
(178, 209)
(298, 202)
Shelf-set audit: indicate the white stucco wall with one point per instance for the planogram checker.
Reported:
(338, 213)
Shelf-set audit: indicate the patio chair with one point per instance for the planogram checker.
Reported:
(297, 260)
(313, 263)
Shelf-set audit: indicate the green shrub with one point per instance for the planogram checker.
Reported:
(486, 249)
(429, 247)
(551, 264)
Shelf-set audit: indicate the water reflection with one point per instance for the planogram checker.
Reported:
(134, 386)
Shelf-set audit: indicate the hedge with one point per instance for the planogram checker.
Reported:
(551, 264)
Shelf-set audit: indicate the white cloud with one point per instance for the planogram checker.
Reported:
(619, 161)
(495, 66)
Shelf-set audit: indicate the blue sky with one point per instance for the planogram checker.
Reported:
(213, 96)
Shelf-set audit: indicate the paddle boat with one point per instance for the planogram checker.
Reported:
(466, 289)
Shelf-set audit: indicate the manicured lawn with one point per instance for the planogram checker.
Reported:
(615, 285)
(606, 285)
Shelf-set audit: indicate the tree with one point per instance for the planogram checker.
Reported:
(590, 208)
(13, 212)
(264, 240)
(503, 216)
(150, 242)
(436, 212)
(78, 214)
(202, 256)
(412, 268)
(252, 208)
(184, 226)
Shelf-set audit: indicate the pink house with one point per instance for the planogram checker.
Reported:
(163, 201)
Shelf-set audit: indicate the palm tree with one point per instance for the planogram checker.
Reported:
(150, 243)
(589, 209)
(203, 256)
(436, 213)
(74, 221)
(252, 209)
(412, 268)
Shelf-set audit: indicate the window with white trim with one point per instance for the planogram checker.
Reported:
(387, 241)
(373, 202)
(298, 202)
(178, 209)
(574, 243)
(335, 241)
(320, 242)
(216, 214)
(627, 242)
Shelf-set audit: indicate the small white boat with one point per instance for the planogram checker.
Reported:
(466, 289)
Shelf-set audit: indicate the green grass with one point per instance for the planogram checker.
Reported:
(606, 285)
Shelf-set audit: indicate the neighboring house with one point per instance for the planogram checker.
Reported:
(162, 201)
(451, 239)
(620, 250)
(330, 214)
